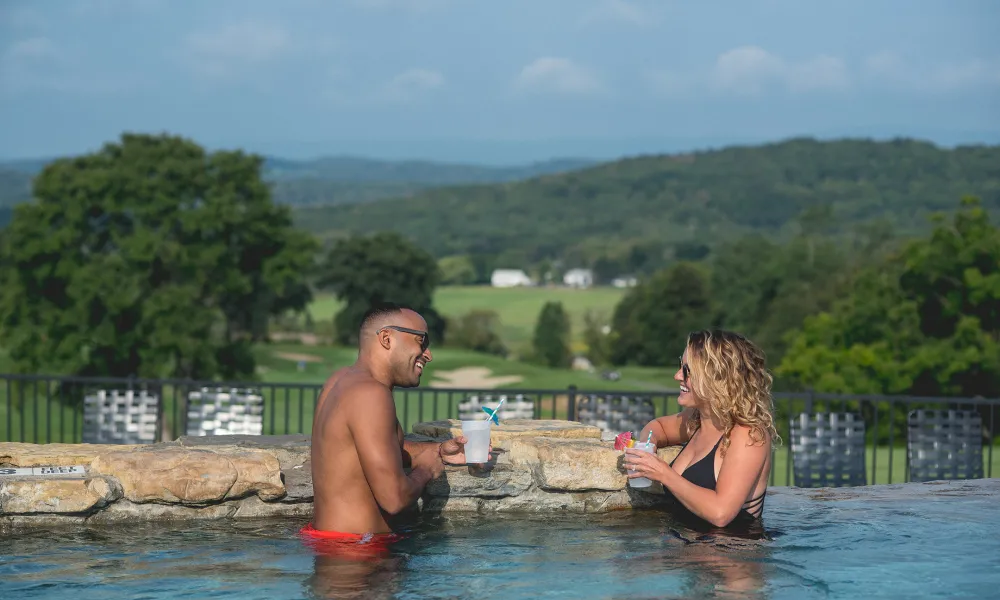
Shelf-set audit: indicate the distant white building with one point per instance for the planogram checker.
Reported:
(580, 278)
(624, 282)
(509, 278)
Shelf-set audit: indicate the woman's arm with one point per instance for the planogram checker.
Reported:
(669, 430)
(740, 470)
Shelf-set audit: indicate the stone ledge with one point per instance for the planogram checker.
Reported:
(510, 429)
(537, 466)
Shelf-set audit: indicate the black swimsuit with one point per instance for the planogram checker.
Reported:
(702, 474)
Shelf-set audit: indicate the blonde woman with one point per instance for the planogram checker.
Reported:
(726, 427)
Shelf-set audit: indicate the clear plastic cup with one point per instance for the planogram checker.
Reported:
(642, 482)
(477, 448)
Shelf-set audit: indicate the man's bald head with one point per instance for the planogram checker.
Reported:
(385, 315)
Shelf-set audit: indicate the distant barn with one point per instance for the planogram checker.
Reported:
(509, 278)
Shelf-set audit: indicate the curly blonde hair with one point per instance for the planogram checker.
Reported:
(729, 371)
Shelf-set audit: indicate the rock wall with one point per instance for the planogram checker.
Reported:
(537, 466)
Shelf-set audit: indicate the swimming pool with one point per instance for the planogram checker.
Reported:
(902, 541)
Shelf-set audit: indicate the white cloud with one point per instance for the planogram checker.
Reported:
(235, 46)
(752, 70)
(557, 75)
(821, 73)
(620, 11)
(886, 69)
(32, 50)
(413, 5)
(37, 63)
(412, 83)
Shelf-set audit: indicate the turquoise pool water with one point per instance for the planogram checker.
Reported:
(913, 541)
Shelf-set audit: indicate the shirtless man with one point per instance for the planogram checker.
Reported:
(358, 450)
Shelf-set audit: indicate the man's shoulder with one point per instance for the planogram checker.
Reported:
(354, 384)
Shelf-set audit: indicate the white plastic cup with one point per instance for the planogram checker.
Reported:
(477, 448)
(642, 482)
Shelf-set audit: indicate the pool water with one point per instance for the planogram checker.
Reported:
(912, 541)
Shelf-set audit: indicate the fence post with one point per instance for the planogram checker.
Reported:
(809, 401)
(571, 404)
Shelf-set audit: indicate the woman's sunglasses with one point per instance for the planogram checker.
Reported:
(685, 369)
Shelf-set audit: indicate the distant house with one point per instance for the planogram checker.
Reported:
(624, 282)
(502, 278)
(580, 278)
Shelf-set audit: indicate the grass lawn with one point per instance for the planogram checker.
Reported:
(279, 364)
(518, 307)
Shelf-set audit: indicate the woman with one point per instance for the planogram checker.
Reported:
(726, 426)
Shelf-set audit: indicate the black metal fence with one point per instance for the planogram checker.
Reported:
(45, 409)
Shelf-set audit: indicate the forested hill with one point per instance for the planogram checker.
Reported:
(829, 187)
(335, 180)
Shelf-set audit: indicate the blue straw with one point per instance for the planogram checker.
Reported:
(493, 415)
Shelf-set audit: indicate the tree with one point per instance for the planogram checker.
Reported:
(457, 270)
(651, 323)
(927, 322)
(477, 330)
(149, 257)
(551, 341)
(596, 338)
(383, 267)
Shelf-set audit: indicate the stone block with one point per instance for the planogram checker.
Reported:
(48, 495)
(17, 454)
(495, 481)
(192, 476)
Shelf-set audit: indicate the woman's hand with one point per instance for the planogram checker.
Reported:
(645, 464)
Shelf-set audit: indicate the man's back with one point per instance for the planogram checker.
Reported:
(343, 499)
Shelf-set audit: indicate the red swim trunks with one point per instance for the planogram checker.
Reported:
(348, 545)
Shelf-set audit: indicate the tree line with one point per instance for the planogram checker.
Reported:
(153, 257)
(638, 215)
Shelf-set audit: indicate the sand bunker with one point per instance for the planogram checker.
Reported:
(472, 378)
(292, 356)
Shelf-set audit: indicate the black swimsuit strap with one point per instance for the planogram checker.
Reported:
(755, 506)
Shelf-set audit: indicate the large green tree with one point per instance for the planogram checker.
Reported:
(651, 323)
(383, 267)
(149, 257)
(927, 322)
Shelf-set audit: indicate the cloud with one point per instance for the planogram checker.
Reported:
(751, 70)
(35, 49)
(38, 63)
(887, 69)
(235, 47)
(413, 5)
(557, 75)
(411, 84)
(619, 11)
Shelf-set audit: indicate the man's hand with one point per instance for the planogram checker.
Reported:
(430, 462)
(452, 451)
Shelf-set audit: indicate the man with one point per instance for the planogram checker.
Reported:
(358, 450)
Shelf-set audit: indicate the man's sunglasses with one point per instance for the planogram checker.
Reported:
(685, 369)
(425, 339)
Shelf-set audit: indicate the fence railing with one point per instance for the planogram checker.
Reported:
(46, 409)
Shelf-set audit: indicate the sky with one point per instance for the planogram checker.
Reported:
(491, 81)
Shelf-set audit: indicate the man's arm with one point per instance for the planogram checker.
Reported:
(413, 449)
(375, 437)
